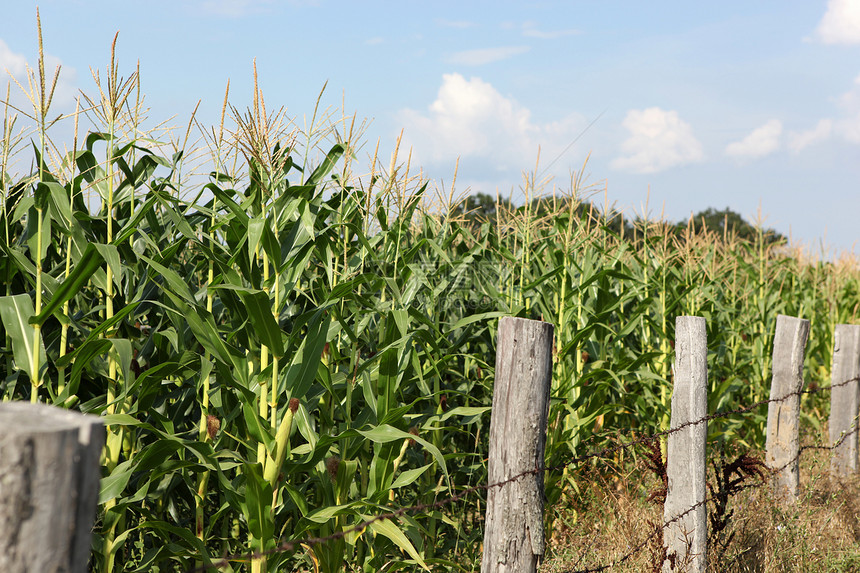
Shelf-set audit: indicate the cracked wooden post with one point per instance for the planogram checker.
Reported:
(845, 399)
(783, 416)
(49, 485)
(686, 535)
(513, 533)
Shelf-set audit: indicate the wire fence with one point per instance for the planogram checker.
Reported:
(293, 544)
(708, 498)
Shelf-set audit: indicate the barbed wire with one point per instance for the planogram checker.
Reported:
(717, 415)
(645, 542)
(293, 544)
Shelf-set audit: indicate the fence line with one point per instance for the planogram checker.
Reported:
(294, 544)
(708, 498)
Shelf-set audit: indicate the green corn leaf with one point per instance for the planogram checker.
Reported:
(467, 320)
(177, 220)
(60, 207)
(409, 476)
(88, 165)
(73, 284)
(464, 411)
(33, 232)
(166, 530)
(304, 426)
(114, 484)
(303, 366)
(392, 363)
(385, 433)
(239, 214)
(255, 232)
(298, 498)
(259, 309)
(111, 256)
(132, 225)
(258, 503)
(155, 455)
(145, 167)
(83, 355)
(257, 427)
(28, 269)
(22, 207)
(387, 528)
(123, 349)
(327, 165)
(271, 246)
(346, 472)
(174, 281)
(202, 325)
(324, 514)
(95, 334)
(16, 312)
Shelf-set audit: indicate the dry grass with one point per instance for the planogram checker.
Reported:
(613, 517)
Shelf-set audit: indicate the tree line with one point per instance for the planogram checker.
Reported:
(481, 207)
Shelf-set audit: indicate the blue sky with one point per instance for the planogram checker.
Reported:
(720, 104)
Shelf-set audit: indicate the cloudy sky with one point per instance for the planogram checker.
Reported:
(689, 105)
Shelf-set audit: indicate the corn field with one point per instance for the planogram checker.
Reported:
(285, 338)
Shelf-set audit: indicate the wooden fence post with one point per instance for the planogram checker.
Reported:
(513, 533)
(686, 537)
(49, 485)
(844, 399)
(783, 416)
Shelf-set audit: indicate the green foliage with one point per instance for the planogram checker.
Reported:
(727, 223)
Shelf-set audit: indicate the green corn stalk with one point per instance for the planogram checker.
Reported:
(64, 333)
(275, 460)
(205, 432)
(42, 103)
(6, 182)
(111, 103)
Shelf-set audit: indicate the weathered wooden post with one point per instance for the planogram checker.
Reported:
(845, 399)
(513, 534)
(686, 535)
(49, 484)
(783, 415)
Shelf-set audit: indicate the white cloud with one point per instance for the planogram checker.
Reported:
(375, 41)
(486, 56)
(461, 24)
(761, 142)
(16, 65)
(849, 128)
(12, 63)
(800, 140)
(850, 100)
(846, 126)
(530, 30)
(840, 23)
(471, 119)
(658, 140)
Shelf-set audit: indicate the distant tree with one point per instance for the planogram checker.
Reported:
(728, 222)
(611, 220)
(480, 207)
